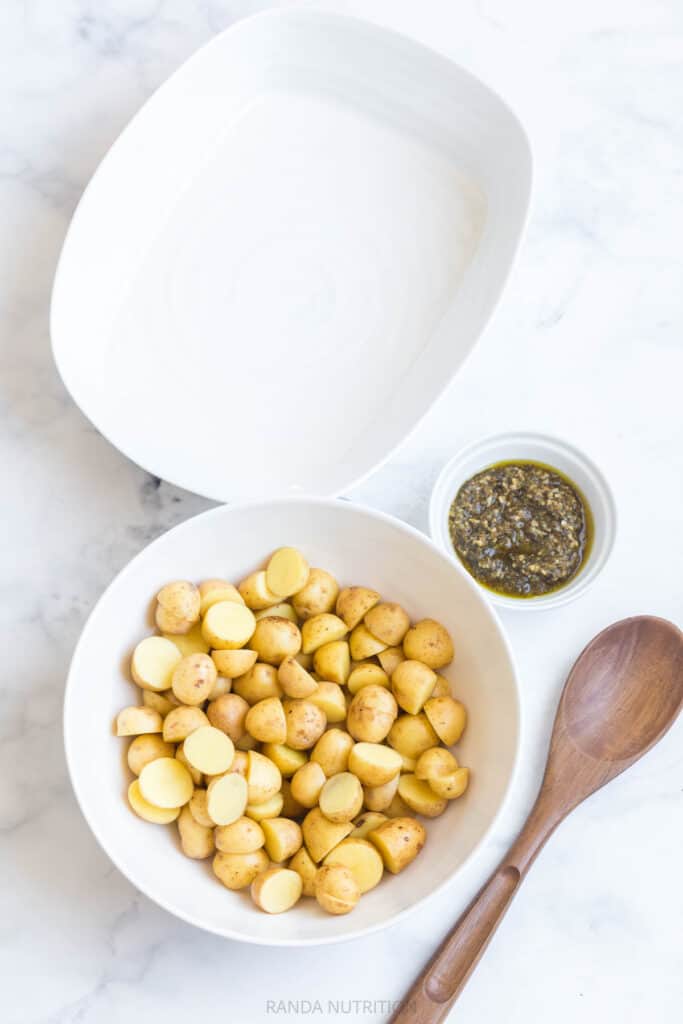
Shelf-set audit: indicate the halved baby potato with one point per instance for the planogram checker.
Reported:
(266, 721)
(283, 838)
(398, 842)
(153, 663)
(332, 751)
(412, 684)
(196, 841)
(135, 721)
(354, 603)
(321, 835)
(374, 763)
(366, 674)
(234, 663)
(145, 748)
(362, 859)
(213, 591)
(182, 721)
(341, 798)
(276, 890)
(287, 572)
(307, 783)
(238, 870)
(209, 750)
(263, 778)
(226, 798)
(420, 796)
(165, 782)
(447, 717)
(321, 629)
(256, 592)
(286, 758)
(194, 678)
(363, 644)
(332, 662)
(318, 595)
(228, 625)
(329, 697)
(242, 836)
(388, 622)
(150, 812)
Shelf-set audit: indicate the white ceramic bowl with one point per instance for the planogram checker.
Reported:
(360, 546)
(539, 448)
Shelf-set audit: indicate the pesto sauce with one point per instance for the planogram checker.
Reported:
(520, 528)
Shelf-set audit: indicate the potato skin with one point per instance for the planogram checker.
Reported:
(307, 784)
(238, 870)
(193, 679)
(366, 674)
(332, 751)
(146, 748)
(371, 714)
(388, 622)
(242, 836)
(447, 717)
(181, 600)
(318, 596)
(258, 683)
(266, 721)
(182, 721)
(305, 724)
(275, 638)
(295, 680)
(229, 714)
(412, 684)
(196, 840)
(354, 603)
(411, 735)
(398, 842)
(332, 662)
(429, 642)
(321, 629)
(336, 889)
(420, 796)
(321, 835)
(303, 865)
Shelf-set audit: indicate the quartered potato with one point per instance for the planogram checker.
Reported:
(266, 721)
(286, 758)
(321, 835)
(367, 674)
(270, 808)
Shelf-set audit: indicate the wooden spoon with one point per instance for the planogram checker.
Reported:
(621, 696)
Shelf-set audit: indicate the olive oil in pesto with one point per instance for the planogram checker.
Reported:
(520, 528)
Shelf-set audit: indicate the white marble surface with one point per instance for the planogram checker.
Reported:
(590, 331)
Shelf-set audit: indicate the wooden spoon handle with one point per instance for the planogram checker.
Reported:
(443, 979)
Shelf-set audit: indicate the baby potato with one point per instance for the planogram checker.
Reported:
(256, 592)
(411, 735)
(275, 639)
(390, 659)
(442, 688)
(366, 674)
(192, 642)
(447, 717)
(220, 688)
(242, 836)
(158, 702)
(196, 841)
(228, 625)
(362, 860)
(420, 797)
(354, 603)
(435, 762)
(170, 625)
(136, 721)
(336, 889)
(193, 679)
(229, 714)
(332, 751)
(258, 683)
(371, 714)
(234, 663)
(271, 808)
(283, 838)
(276, 890)
(305, 723)
(147, 811)
(379, 798)
(153, 663)
(291, 808)
(287, 572)
(146, 748)
(321, 835)
(165, 782)
(197, 777)
(332, 662)
(398, 842)
(199, 808)
(341, 798)
(209, 750)
(238, 870)
(318, 596)
(412, 684)
(330, 699)
(451, 785)
(407, 763)
(286, 758)
(182, 721)
(280, 611)
(226, 798)
(213, 591)
(321, 629)
(303, 865)
(388, 622)
(181, 600)
(307, 782)
(374, 763)
(263, 778)
(363, 644)
(366, 823)
(266, 721)
(295, 680)
(429, 642)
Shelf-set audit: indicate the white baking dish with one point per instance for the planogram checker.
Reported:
(287, 255)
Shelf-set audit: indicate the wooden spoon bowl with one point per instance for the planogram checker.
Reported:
(623, 693)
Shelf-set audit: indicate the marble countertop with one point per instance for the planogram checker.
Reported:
(590, 326)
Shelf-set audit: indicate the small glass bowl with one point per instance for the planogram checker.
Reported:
(556, 454)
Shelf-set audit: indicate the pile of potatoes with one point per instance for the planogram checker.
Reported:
(292, 730)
